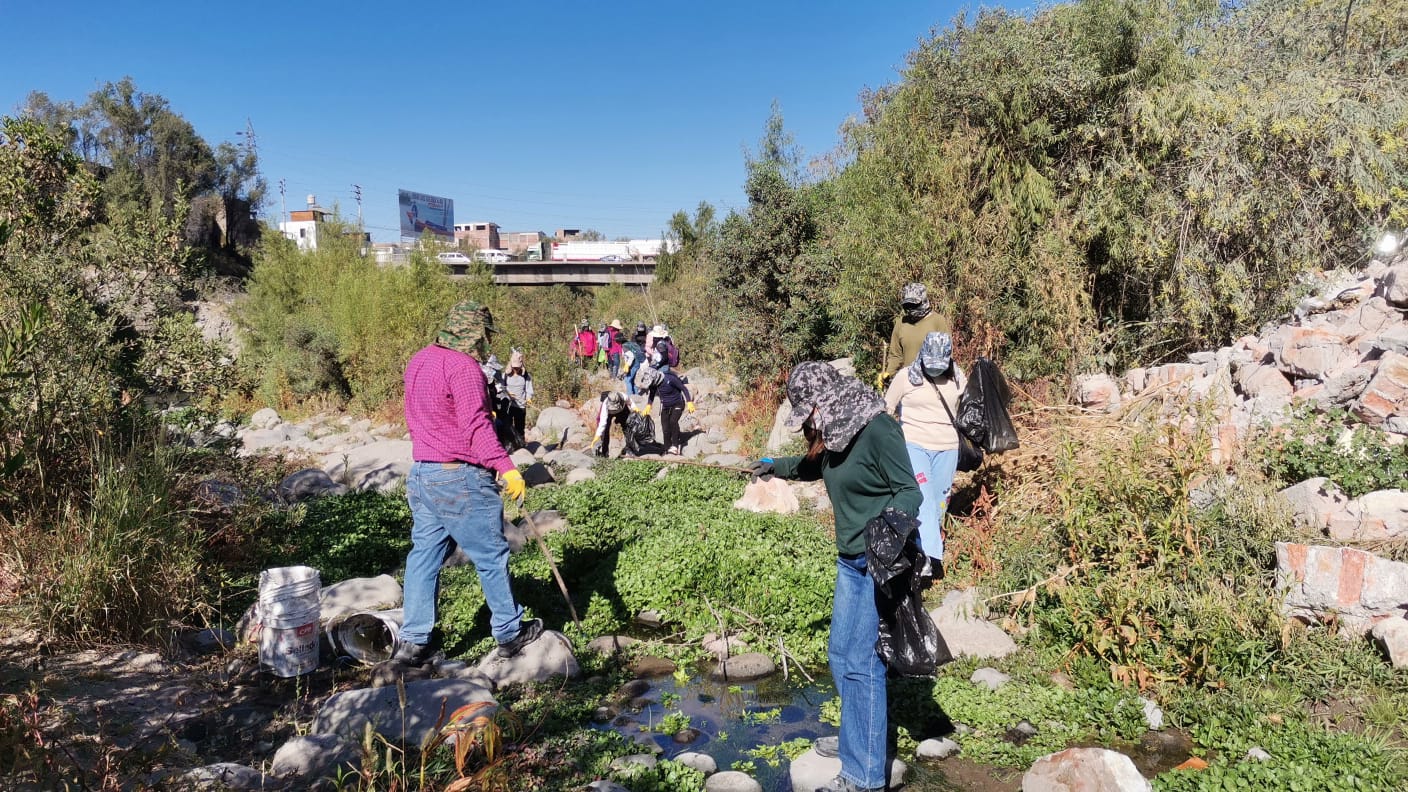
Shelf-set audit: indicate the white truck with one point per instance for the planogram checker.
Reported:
(633, 250)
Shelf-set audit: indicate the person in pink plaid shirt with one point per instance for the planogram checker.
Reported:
(453, 489)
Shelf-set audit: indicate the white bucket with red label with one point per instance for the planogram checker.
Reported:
(288, 615)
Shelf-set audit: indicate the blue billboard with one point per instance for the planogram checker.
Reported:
(421, 213)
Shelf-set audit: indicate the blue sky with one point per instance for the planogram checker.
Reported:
(532, 115)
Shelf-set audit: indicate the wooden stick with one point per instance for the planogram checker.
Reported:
(561, 585)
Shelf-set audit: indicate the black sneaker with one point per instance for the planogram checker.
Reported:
(413, 654)
(828, 747)
(528, 632)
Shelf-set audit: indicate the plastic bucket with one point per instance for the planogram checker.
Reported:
(288, 616)
(368, 637)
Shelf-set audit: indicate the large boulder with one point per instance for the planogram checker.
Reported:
(744, 667)
(1309, 352)
(731, 781)
(316, 756)
(306, 485)
(549, 656)
(348, 713)
(1374, 516)
(1260, 380)
(560, 424)
(1386, 395)
(1085, 770)
(266, 418)
(811, 771)
(356, 595)
(967, 635)
(1391, 636)
(382, 465)
(1314, 501)
(769, 494)
(1394, 284)
(1355, 587)
(1098, 392)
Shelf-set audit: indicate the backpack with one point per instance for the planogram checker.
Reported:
(672, 354)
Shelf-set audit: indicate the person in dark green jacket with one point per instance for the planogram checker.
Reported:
(859, 451)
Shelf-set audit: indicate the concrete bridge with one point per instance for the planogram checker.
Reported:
(571, 273)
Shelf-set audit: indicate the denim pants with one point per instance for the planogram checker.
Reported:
(456, 505)
(933, 471)
(859, 674)
(631, 377)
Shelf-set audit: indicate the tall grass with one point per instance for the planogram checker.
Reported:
(115, 556)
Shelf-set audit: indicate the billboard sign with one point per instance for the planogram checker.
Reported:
(420, 213)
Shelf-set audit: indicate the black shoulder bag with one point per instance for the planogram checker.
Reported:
(970, 454)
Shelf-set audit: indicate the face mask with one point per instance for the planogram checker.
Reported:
(932, 373)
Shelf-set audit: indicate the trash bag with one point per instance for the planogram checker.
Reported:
(982, 409)
(640, 430)
(909, 643)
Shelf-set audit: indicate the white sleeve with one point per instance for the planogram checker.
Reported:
(602, 417)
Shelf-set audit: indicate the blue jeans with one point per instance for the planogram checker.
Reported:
(933, 471)
(631, 377)
(450, 506)
(859, 674)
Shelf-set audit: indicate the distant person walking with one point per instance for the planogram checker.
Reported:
(584, 345)
(519, 384)
(632, 356)
(919, 394)
(917, 319)
(451, 488)
(613, 348)
(858, 450)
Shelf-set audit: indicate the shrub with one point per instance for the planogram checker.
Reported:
(1357, 458)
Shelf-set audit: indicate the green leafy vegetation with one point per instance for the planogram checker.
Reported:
(1329, 443)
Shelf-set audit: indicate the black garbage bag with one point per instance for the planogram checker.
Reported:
(640, 431)
(982, 409)
(909, 643)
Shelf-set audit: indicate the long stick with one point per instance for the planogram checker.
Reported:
(698, 464)
(561, 585)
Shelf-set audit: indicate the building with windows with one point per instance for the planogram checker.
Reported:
(480, 235)
(302, 225)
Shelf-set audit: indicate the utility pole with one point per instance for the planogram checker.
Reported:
(283, 211)
(357, 191)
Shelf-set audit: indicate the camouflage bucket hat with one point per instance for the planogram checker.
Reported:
(466, 325)
(805, 385)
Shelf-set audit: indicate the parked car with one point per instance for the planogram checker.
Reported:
(453, 259)
(613, 258)
(491, 256)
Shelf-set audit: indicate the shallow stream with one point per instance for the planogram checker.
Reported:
(742, 724)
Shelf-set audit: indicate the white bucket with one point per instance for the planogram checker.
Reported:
(288, 615)
(368, 637)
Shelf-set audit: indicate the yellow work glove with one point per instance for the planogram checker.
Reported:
(881, 379)
(645, 410)
(689, 407)
(514, 485)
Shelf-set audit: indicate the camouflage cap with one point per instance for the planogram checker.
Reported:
(466, 325)
(914, 294)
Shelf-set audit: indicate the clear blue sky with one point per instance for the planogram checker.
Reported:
(536, 116)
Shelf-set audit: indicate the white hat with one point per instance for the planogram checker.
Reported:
(660, 331)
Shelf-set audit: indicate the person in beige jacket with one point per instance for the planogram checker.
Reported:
(929, 434)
